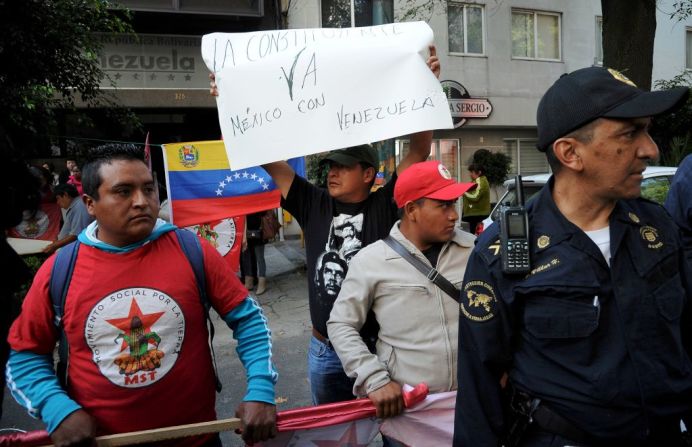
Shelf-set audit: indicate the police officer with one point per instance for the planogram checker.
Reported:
(596, 339)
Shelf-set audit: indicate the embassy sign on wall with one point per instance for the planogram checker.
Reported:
(152, 61)
(462, 106)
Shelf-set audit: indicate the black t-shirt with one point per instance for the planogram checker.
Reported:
(254, 221)
(433, 252)
(334, 232)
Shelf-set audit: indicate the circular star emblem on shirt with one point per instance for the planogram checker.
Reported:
(221, 234)
(135, 336)
(478, 302)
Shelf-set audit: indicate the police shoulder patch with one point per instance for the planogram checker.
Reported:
(478, 301)
(651, 237)
(495, 247)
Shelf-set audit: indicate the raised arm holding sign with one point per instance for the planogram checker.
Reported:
(420, 142)
(339, 221)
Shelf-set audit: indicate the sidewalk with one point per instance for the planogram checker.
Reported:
(284, 257)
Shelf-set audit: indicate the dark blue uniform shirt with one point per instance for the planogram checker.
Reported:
(607, 348)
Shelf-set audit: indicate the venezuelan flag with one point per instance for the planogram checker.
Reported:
(203, 188)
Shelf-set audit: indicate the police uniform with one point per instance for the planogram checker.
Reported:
(604, 349)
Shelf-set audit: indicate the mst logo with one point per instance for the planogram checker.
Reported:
(135, 336)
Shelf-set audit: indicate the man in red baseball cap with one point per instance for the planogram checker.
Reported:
(418, 320)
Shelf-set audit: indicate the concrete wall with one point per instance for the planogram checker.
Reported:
(669, 46)
(304, 14)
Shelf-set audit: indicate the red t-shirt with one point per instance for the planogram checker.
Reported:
(139, 356)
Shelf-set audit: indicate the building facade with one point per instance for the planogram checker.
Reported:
(159, 73)
(499, 57)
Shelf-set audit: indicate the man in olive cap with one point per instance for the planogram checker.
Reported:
(322, 213)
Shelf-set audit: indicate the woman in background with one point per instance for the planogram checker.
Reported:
(252, 263)
(477, 200)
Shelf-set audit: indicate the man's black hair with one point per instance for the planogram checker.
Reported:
(584, 135)
(332, 256)
(401, 211)
(106, 154)
(365, 166)
(66, 188)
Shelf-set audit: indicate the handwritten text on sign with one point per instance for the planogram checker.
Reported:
(288, 93)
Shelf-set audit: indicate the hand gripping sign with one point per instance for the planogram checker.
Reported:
(288, 93)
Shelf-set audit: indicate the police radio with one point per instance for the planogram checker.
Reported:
(514, 234)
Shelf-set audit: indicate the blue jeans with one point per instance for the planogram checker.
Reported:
(328, 381)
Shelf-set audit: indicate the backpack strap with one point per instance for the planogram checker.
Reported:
(430, 272)
(192, 248)
(59, 284)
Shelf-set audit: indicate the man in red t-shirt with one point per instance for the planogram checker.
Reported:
(134, 321)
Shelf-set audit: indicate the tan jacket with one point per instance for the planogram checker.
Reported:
(418, 321)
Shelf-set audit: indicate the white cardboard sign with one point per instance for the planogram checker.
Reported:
(288, 93)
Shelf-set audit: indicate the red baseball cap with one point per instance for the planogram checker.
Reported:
(429, 179)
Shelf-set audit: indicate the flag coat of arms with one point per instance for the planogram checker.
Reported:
(203, 188)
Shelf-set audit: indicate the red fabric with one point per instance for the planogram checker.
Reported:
(219, 233)
(30, 439)
(429, 179)
(288, 420)
(44, 224)
(191, 211)
(147, 151)
(233, 256)
(339, 412)
(155, 284)
(76, 183)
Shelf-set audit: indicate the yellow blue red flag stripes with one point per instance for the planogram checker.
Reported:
(203, 188)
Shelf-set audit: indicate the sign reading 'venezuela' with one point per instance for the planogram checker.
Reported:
(152, 61)
(289, 93)
(462, 106)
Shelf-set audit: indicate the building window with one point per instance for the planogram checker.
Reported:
(526, 159)
(465, 28)
(535, 35)
(689, 49)
(348, 13)
(233, 7)
(598, 59)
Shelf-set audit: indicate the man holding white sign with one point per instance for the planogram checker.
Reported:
(342, 87)
(344, 212)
